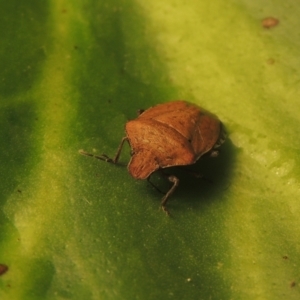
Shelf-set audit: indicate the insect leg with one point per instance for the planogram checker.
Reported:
(214, 153)
(116, 158)
(148, 179)
(165, 199)
(104, 156)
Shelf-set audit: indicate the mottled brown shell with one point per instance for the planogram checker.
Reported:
(172, 134)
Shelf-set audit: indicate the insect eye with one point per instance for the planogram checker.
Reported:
(140, 111)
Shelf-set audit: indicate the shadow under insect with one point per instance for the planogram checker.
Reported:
(205, 181)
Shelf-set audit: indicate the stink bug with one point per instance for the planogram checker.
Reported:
(172, 134)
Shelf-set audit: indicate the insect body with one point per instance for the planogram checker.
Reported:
(177, 133)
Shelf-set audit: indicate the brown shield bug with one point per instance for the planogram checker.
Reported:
(172, 134)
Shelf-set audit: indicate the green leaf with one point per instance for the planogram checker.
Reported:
(73, 227)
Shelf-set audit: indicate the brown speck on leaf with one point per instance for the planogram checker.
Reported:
(271, 61)
(285, 257)
(269, 22)
(3, 269)
(293, 283)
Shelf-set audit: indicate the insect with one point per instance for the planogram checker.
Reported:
(172, 134)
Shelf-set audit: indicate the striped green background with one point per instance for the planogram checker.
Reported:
(71, 74)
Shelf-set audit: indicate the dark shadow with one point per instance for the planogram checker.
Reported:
(215, 174)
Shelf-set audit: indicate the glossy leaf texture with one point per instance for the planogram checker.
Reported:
(72, 74)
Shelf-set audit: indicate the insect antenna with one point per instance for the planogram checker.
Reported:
(104, 156)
